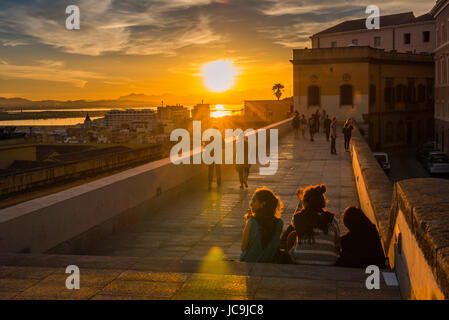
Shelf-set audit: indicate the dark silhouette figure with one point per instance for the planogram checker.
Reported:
(317, 121)
(347, 132)
(296, 123)
(215, 167)
(327, 126)
(243, 168)
(333, 134)
(303, 125)
(361, 246)
(312, 126)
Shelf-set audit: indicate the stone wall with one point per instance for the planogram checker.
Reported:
(412, 218)
(78, 215)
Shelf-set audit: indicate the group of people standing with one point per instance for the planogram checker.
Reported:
(329, 127)
(312, 237)
(242, 168)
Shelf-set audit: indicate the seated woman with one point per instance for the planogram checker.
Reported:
(260, 242)
(361, 246)
(316, 236)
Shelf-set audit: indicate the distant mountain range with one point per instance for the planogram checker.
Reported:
(136, 100)
(132, 100)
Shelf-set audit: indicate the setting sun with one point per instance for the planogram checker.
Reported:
(219, 75)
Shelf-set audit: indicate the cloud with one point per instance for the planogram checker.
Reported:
(48, 70)
(307, 17)
(168, 42)
(14, 43)
(300, 7)
(110, 26)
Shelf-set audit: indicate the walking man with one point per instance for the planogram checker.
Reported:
(317, 121)
(327, 126)
(243, 169)
(296, 124)
(303, 125)
(347, 131)
(333, 133)
(312, 126)
(215, 167)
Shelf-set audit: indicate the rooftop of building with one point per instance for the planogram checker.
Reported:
(359, 53)
(385, 21)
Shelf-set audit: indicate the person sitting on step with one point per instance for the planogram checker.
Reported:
(316, 235)
(361, 246)
(261, 236)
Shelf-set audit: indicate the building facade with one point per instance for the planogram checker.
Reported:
(201, 112)
(441, 14)
(268, 110)
(173, 113)
(389, 94)
(118, 118)
(401, 32)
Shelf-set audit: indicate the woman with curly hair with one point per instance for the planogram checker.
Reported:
(316, 238)
(261, 236)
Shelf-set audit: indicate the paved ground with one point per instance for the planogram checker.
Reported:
(25, 276)
(201, 220)
(176, 253)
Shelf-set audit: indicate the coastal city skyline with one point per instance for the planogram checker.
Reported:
(159, 50)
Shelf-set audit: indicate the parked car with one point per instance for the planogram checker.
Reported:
(424, 149)
(428, 155)
(382, 158)
(438, 163)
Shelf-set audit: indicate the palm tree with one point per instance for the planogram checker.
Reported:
(277, 90)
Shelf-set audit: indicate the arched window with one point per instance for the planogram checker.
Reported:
(313, 96)
(389, 132)
(346, 95)
(400, 131)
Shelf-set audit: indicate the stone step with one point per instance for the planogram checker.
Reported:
(41, 276)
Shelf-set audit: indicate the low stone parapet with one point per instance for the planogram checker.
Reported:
(412, 218)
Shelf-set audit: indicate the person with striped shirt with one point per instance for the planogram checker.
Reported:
(316, 235)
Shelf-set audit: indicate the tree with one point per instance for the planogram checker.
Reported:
(277, 90)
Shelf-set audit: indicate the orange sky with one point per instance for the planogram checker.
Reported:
(157, 48)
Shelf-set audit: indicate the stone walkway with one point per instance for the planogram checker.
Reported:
(176, 253)
(201, 220)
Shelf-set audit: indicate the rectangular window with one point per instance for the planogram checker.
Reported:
(406, 38)
(376, 42)
(443, 34)
(355, 42)
(437, 37)
(426, 36)
(334, 44)
(389, 93)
